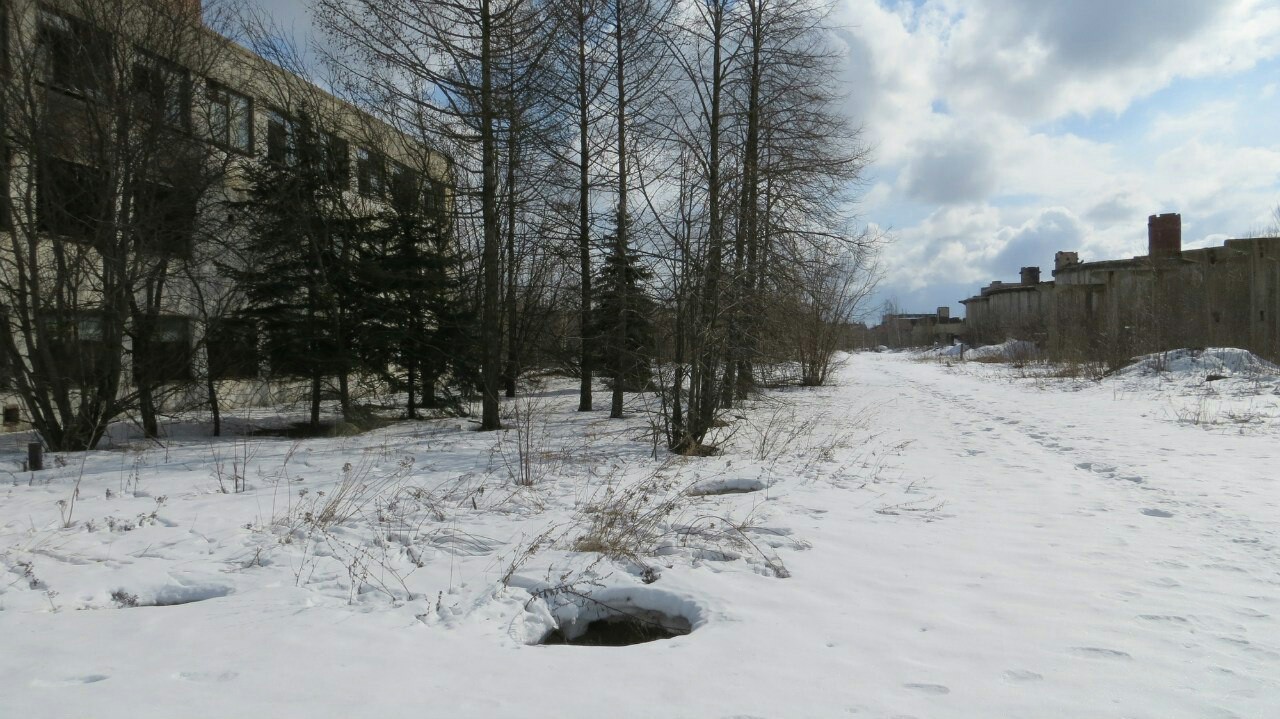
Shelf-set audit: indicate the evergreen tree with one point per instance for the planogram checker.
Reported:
(299, 271)
(415, 328)
(623, 279)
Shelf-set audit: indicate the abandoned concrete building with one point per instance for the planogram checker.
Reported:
(1168, 298)
(913, 330)
(88, 82)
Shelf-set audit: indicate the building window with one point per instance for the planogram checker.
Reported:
(162, 91)
(75, 56)
(162, 349)
(230, 119)
(434, 202)
(370, 173)
(4, 37)
(231, 345)
(336, 155)
(6, 199)
(282, 138)
(406, 189)
(164, 219)
(77, 343)
(71, 199)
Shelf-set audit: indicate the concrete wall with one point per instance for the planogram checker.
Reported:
(1169, 298)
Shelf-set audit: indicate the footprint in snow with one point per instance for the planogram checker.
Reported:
(69, 681)
(1100, 652)
(206, 676)
(1021, 675)
(1157, 513)
(936, 689)
(1163, 618)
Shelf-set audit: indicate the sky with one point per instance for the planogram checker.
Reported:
(1006, 130)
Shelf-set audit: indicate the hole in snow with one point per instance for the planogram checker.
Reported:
(622, 629)
(619, 618)
(712, 487)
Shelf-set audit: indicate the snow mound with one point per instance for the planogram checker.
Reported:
(1007, 350)
(1216, 362)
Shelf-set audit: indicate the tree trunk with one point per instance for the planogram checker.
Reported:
(491, 329)
(584, 217)
(620, 234)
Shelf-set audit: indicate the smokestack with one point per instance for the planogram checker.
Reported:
(1030, 275)
(1164, 235)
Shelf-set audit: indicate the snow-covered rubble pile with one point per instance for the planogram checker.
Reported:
(1215, 362)
(1007, 350)
(947, 352)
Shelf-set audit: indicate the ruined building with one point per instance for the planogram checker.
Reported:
(1168, 298)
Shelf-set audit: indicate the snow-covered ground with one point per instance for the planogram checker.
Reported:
(923, 539)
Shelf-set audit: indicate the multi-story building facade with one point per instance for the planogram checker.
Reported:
(131, 133)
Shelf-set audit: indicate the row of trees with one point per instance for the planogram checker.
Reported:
(152, 248)
(692, 154)
(641, 186)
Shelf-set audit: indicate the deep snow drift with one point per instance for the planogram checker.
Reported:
(922, 539)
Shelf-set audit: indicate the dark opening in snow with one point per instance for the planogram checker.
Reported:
(634, 626)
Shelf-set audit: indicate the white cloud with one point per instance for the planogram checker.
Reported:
(964, 99)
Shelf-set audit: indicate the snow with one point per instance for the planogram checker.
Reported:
(1221, 361)
(972, 540)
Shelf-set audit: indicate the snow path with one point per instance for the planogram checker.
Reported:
(997, 550)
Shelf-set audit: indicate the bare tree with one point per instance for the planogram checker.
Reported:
(106, 178)
(435, 61)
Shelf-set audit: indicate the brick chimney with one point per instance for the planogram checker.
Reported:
(1164, 235)
(1030, 275)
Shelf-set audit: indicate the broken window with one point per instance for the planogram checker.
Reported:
(162, 349)
(435, 203)
(72, 199)
(282, 138)
(77, 344)
(75, 56)
(6, 199)
(406, 189)
(164, 219)
(336, 156)
(231, 345)
(162, 91)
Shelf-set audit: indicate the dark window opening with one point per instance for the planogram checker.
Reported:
(230, 119)
(6, 199)
(4, 37)
(292, 352)
(71, 199)
(164, 219)
(75, 56)
(336, 154)
(435, 203)
(282, 139)
(1217, 316)
(77, 345)
(232, 348)
(370, 173)
(162, 349)
(406, 189)
(162, 91)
